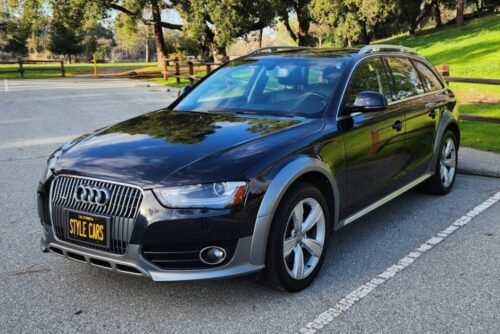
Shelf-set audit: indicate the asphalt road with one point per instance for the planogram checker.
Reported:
(452, 286)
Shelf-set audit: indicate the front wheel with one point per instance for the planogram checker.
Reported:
(298, 238)
(444, 177)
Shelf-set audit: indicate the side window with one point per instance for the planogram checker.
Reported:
(431, 82)
(370, 75)
(406, 78)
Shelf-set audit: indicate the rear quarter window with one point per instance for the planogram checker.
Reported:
(430, 80)
(406, 78)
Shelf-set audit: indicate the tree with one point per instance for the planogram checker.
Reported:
(215, 24)
(352, 20)
(301, 11)
(65, 41)
(15, 30)
(411, 14)
(98, 42)
(67, 28)
(460, 12)
(133, 34)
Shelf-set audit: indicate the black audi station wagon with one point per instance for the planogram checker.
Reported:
(254, 167)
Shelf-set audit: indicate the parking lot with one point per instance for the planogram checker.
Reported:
(419, 264)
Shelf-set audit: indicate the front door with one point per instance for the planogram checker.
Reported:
(374, 141)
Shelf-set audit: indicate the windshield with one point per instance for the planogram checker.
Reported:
(278, 86)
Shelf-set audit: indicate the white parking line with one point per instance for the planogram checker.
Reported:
(358, 294)
(6, 82)
(37, 141)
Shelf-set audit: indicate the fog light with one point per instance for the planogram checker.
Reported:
(212, 255)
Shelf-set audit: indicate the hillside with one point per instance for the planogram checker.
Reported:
(471, 51)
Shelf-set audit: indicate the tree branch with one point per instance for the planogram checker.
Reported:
(289, 28)
(138, 16)
(171, 25)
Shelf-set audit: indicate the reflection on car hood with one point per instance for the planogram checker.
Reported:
(169, 147)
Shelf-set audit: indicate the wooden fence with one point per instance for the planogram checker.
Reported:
(21, 69)
(176, 65)
(444, 70)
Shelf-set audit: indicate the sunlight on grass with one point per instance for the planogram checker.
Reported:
(486, 110)
(479, 135)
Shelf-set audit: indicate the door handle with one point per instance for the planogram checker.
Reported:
(398, 125)
(432, 107)
(432, 113)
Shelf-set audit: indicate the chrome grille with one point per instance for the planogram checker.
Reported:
(122, 209)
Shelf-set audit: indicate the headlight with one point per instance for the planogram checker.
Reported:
(213, 195)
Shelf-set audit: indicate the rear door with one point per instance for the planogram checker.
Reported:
(374, 141)
(419, 114)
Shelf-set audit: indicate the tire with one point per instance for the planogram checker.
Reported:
(446, 168)
(284, 272)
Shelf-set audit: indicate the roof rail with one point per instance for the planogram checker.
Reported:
(386, 47)
(270, 49)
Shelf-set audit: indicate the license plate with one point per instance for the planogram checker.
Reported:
(88, 228)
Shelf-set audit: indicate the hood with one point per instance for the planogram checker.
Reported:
(167, 147)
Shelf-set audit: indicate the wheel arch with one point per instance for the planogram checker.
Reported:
(453, 126)
(448, 122)
(303, 168)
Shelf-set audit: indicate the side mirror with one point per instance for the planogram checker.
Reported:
(183, 90)
(368, 102)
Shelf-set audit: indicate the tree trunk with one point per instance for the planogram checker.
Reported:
(147, 56)
(161, 48)
(304, 20)
(437, 14)
(261, 35)
(365, 39)
(69, 59)
(413, 26)
(460, 12)
(204, 53)
(219, 53)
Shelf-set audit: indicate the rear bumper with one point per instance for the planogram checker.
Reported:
(133, 262)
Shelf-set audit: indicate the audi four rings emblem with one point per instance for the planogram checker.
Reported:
(92, 195)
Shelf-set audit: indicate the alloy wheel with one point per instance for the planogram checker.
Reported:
(448, 163)
(304, 238)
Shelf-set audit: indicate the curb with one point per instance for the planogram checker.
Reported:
(480, 163)
(477, 173)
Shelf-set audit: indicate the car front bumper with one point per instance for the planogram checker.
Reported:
(134, 263)
(158, 240)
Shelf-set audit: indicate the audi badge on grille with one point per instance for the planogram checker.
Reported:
(92, 195)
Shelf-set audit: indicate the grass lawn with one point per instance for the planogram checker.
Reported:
(471, 51)
(34, 72)
(479, 135)
(487, 110)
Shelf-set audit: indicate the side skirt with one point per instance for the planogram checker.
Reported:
(383, 200)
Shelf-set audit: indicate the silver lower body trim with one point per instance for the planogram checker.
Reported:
(384, 200)
(134, 263)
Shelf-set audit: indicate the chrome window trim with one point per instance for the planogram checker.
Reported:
(416, 96)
